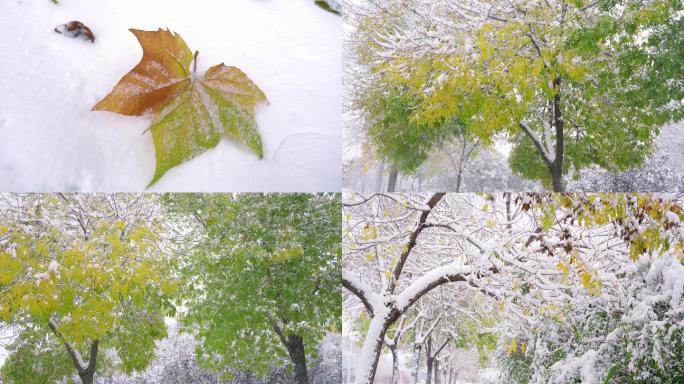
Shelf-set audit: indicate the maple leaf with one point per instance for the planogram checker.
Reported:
(192, 113)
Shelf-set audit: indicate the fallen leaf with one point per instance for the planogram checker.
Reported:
(330, 5)
(75, 29)
(192, 114)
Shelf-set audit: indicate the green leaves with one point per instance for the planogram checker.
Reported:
(266, 263)
(397, 137)
(597, 81)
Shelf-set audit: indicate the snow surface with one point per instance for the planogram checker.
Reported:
(51, 141)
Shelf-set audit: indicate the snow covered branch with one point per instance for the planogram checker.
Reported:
(364, 292)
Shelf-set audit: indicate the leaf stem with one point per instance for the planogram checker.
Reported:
(194, 68)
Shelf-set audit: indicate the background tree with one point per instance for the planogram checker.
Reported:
(397, 139)
(263, 281)
(82, 274)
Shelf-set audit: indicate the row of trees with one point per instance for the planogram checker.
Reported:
(87, 281)
(540, 287)
(568, 83)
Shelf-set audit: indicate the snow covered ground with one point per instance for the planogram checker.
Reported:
(51, 141)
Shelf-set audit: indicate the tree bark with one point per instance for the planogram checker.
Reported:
(416, 350)
(379, 176)
(438, 373)
(430, 364)
(557, 179)
(86, 371)
(429, 360)
(392, 182)
(370, 352)
(395, 365)
(86, 377)
(558, 122)
(458, 181)
(295, 348)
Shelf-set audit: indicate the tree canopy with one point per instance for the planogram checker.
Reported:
(569, 83)
(80, 274)
(263, 283)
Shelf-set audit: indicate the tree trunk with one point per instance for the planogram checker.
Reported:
(87, 373)
(451, 375)
(557, 172)
(428, 377)
(395, 365)
(86, 377)
(438, 373)
(295, 349)
(557, 179)
(379, 176)
(370, 352)
(458, 180)
(392, 182)
(416, 350)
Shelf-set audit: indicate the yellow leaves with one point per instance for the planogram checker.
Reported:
(120, 225)
(168, 286)
(370, 257)
(572, 71)
(551, 311)
(287, 253)
(72, 256)
(487, 28)
(512, 347)
(565, 270)
(588, 278)
(591, 282)
(548, 218)
(9, 268)
(369, 232)
(490, 223)
(481, 43)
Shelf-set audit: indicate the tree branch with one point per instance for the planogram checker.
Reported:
(442, 347)
(412, 241)
(73, 353)
(448, 273)
(537, 144)
(360, 290)
(278, 329)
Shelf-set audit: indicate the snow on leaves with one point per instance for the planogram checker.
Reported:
(569, 86)
(192, 114)
(531, 259)
(79, 273)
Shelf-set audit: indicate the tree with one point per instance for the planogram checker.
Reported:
(571, 83)
(632, 332)
(521, 252)
(396, 138)
(80, 274)
(263, 280)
